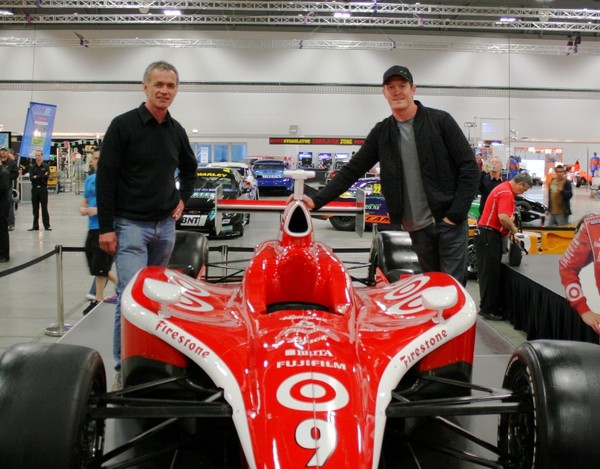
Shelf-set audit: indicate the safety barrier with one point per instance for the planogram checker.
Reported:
(59, 328)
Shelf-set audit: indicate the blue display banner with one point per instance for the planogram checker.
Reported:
(38, 130)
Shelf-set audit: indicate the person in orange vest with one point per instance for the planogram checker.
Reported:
(576, 166)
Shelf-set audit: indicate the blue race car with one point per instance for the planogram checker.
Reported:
(269, 174)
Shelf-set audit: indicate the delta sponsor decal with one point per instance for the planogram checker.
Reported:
(192, 294)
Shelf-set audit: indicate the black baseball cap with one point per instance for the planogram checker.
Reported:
(397, 70)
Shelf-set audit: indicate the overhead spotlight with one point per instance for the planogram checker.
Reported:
(508, 19)
(342, 14)
(172, 12)
(6, 13)
(144, 7)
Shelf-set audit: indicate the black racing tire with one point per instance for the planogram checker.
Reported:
(524, 209)
(343, 223)
(560, 380)
(392, 253)
(45, 397)
(190, 253)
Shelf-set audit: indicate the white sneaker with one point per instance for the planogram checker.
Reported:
(90, 297)
(117, 385)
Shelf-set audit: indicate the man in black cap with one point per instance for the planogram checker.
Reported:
(429, 175)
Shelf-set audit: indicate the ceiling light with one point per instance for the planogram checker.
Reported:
(172, 12)
(508, 19)
(342, 14)
(6, 13)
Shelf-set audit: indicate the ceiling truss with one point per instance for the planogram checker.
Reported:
(494, 48)
(280, 15)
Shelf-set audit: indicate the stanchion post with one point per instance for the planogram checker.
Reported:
(59, 328)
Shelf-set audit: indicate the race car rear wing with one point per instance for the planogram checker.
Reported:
(333, 208)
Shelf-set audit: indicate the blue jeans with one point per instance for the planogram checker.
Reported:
(139, 244)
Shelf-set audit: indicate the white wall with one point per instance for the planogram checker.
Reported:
(571, 123)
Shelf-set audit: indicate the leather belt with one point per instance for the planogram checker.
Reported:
(488, 228)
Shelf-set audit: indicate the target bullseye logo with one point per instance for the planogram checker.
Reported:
(312, 392)
(574, 292)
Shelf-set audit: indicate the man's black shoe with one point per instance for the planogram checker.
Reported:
(3, 259)
(48, 229)
(491, 316)
(33, 229)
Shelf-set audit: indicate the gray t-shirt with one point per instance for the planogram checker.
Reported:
(416, 212)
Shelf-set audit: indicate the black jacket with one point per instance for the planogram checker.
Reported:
(448, 166)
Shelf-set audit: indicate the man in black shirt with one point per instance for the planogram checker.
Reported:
(138, 201)
(7, 159)
(490, 178)
(38, 175)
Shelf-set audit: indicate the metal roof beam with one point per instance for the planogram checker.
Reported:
(332, 44)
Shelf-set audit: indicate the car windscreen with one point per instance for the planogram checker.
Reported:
(263, 166)
(207, 182)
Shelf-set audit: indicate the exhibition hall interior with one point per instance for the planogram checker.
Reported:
(297, 86)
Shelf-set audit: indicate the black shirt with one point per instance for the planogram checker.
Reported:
(38, 175)
(486, 185)
(136, 171)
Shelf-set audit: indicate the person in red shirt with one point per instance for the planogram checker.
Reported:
(583, 250)
(496, 223)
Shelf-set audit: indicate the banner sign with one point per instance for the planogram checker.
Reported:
(38, 130)
(315, 141)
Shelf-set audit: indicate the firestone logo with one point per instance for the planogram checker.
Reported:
(428, 344)
(176, 336)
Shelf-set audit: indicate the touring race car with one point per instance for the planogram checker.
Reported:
(199, 211)
(270, 175)
(295, 365)
(245, 171)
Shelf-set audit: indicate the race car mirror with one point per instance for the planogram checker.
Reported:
(298, 175)
(439, 299)
(164, 293)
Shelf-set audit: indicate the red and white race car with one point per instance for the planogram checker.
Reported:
(294, 366)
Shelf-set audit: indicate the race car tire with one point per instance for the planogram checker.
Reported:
(392, 253)
(343, 223)
(45, 392)
(560, 380)
(190, 253)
